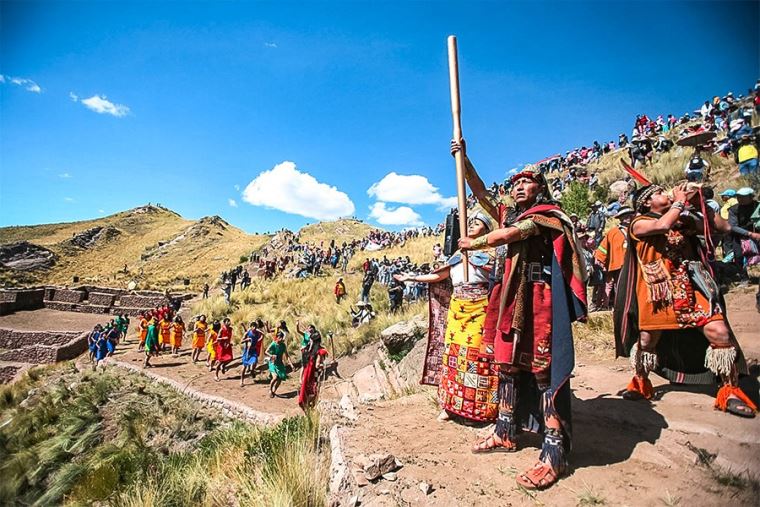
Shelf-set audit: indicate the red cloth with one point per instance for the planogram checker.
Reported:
(224, 345)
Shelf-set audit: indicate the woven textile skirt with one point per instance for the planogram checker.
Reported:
(469, 377)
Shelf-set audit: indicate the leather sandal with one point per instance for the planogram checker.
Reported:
(491, 445)
(738, 407)
(541, 476)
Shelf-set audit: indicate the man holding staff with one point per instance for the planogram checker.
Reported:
(531, 307)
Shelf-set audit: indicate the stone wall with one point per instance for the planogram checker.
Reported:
(42, 347)
(101, 298)
(69, 296)
(87, 299)
(136, 301)
(16, 300)
(11, 339)
(9, 371)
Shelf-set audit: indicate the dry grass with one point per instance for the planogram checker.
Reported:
(667, 168)
(595, 337)
(117, 438)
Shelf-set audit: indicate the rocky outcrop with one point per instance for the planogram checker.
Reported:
(91, 237)
(401, 337)
(25, 256)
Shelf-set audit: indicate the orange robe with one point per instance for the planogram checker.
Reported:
(662, 256)
(165, 332)
(178, 330)
(143, 329)
(611, 250)
(199, 335)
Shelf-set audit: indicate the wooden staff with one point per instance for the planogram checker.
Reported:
(456, 115)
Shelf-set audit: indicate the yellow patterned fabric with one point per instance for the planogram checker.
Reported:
(469, 377)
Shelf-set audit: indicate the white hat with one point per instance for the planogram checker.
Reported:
(745, 191)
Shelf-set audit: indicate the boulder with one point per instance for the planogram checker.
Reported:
(379, 465)
(400, 337)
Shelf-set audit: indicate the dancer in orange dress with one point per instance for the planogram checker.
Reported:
(178, 330)
(199, 338)
(165, 329)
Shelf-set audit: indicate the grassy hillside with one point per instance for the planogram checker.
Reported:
(311, 301)
(117, 438)
(158, 247)
(340, 230)
(668, 168)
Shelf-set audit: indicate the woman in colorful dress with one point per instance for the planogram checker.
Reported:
(251, 343)
(275, 353)
(165, 328)
(213, 334)
(151, 342)
(458, 359)
(144, 320)
(313, 366)
(178, 330)
(224, 352)
(199, 338)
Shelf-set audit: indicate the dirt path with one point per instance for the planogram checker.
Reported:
(625, 453)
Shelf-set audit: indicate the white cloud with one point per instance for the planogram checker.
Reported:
(272, 45)
(403, 215)
(100, 104)
(101, 211)
(409, 189)
(237, 188)
(68, 199)
(64, 176)
(287, 189)
(232, 202)
(73, 96)
(28, 84)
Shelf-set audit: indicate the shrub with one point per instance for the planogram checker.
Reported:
(576, 200)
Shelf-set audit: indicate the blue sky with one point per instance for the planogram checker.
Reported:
(311, 110)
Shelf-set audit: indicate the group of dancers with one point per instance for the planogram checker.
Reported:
(162, 332)
(102, 340)
(500, 346)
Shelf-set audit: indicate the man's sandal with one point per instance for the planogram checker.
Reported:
(738, 407)
(491, 445)
(541, 476)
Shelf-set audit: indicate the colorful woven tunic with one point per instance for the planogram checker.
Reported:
(458, 360)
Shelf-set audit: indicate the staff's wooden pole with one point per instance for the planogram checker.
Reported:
(456, 114)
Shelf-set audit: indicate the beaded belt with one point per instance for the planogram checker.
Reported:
(471, 291)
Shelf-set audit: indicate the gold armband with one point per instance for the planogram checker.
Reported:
(480, 243)
(526, 227)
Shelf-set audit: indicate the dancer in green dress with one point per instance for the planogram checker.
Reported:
(275, 353)
(151, 342)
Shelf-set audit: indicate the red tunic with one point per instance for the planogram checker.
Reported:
(224, 345)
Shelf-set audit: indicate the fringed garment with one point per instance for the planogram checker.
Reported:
(530, 311)
(656, 293)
